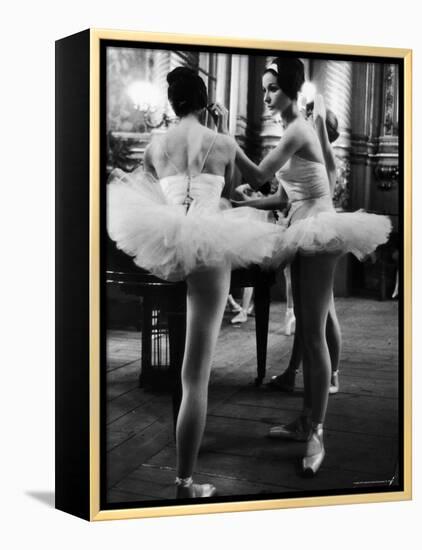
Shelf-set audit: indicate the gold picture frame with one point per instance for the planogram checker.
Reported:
(79, 94)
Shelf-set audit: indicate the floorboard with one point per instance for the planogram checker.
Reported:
(362, 425)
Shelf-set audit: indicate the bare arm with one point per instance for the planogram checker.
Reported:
(291, 142)
(256, 176)
(273, 202)
(229, 171)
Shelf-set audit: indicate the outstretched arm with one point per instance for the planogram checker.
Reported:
(229, 171)
(257, 175)
(291, 142)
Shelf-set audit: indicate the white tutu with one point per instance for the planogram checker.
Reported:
(170, 243)
(327, 231)
(314, 226)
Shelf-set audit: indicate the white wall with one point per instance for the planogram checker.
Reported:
(27, 399)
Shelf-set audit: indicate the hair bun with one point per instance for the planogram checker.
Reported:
(331, 123)
(290, 74)
(186, 91)
(181, 73)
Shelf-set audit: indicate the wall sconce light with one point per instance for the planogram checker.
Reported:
(148, 103)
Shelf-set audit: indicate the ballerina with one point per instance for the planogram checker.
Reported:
(285, 381)
(316, 236)
(170, 218)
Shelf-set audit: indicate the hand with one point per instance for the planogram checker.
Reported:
(243, 192)
(238, 204)
(220, 116)
(319, 108)
(239, 195)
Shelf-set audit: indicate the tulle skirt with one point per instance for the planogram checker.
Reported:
(314, 226)
(170, 243)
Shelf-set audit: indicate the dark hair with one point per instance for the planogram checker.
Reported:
(331, 122)
(186, 92)
(290, 75)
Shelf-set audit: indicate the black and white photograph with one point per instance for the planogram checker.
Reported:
(211, 275)
(251, 275)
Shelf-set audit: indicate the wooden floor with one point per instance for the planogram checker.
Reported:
(362, 426)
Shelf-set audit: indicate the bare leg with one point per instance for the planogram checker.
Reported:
(298, 430)
(312, 285)
(206, 299)
(333, 334)
(296, 355)
(316, 291)
(289, 292)
(299, 306)
(247, 297)
(242, 316)
(286, 380)
(289, 320)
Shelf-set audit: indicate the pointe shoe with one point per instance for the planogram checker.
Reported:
(334, 384)
(186, 488)
(241, 317)
(289, 322)
(233, 306)
(298, 430)
(285, 381)
(315, 452)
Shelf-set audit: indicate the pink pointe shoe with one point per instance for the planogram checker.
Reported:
(315, 452)
(186, 488)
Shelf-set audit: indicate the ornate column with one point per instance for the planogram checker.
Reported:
(234, 90)
(387, 169)
(375, 137)
(239, 75)
(222, 89)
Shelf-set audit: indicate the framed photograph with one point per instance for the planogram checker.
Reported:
(233, 279)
